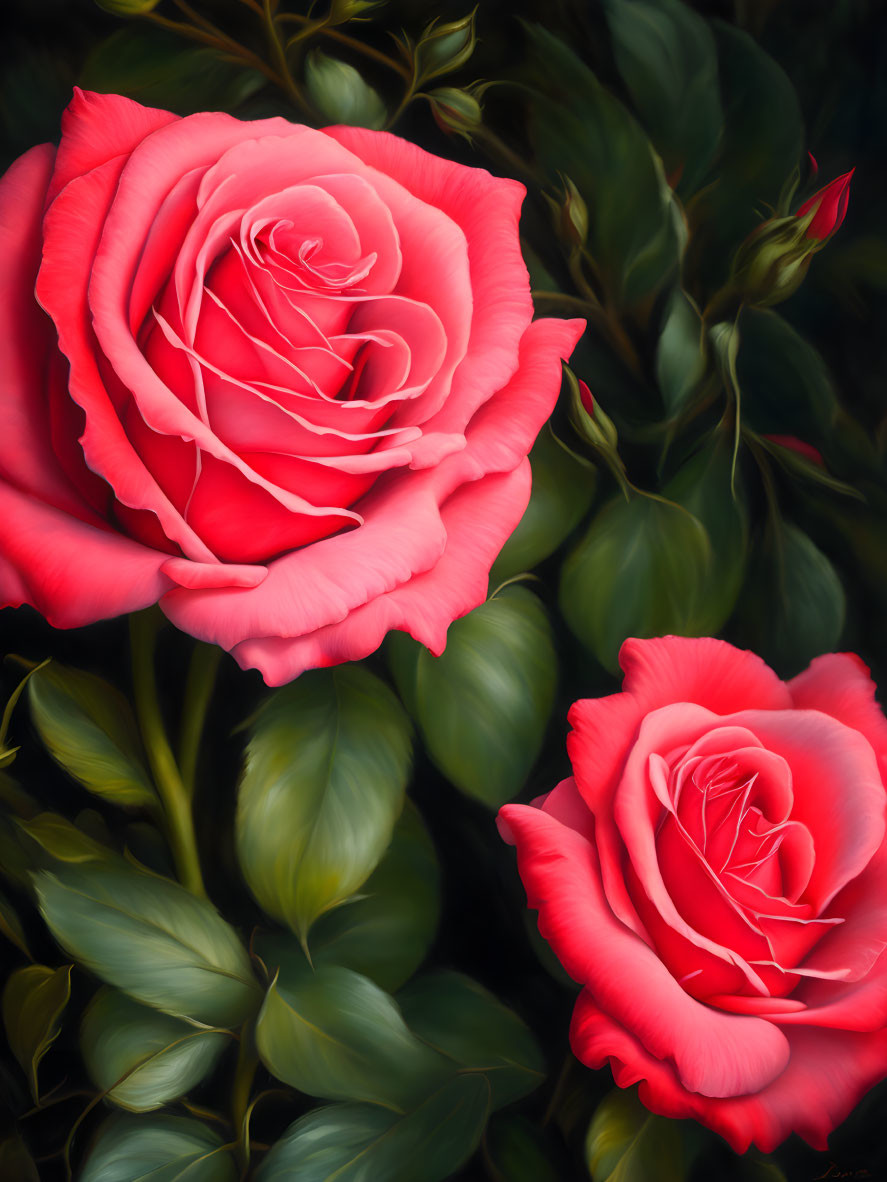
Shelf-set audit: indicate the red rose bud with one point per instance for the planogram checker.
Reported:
(828, 206)
(807, 450)
(590, 422)
(586, 397)
(814, 167)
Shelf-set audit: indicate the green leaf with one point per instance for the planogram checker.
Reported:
(150, 938)
(385, 932)
(641, 570)
(563, 488)
(11, 926)
(323, 784)
(626, 1143)
(88, 728)
(63, 841)
(159, 69)
(483, 705)
(358, 1142)
(141, 1058)
(333, 1033)
(33, 1002)
(786, 388)
(463, 1021)
(520, 1151)
(705, 486)
(792, 606)
(162, 1148)
(340, 93)
(681, 353)
(666, 55)
(580, 129)
(15, 1160)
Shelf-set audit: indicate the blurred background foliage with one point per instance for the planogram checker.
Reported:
(715, 466)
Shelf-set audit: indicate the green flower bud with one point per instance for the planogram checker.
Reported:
(127, 7)
(772, 262)
(340, 94)
(444, 48)
(346, 10)
(455, 111)
(590, 422)
(570, 214)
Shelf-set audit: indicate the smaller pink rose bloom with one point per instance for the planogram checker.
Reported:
(281, 381)
(830, 204)
(714, 874)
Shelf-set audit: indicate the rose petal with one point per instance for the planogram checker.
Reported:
(839, 684)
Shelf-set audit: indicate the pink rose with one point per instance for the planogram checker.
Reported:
(715, 875)
(282, 381)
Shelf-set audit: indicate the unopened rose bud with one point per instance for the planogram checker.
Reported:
(587, 417)
(570, 215)
(772, 262)
(346, 10)
(455, 111)
(127, 7)
(340, 94)
(828, 207)
(814, 167)
(444, 48)
(792, 443)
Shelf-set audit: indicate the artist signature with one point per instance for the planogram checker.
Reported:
(835, 1171)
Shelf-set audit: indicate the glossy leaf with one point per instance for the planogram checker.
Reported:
(786, 388)
(11, 926)
(580, 129)
(563, 488)
(706, 486)
(359, 1142)
(483, 705)
(34, 1000)
(162, 1148)
(385, 932)
(150, 938)
(641, 570)
(341, 94)
(88, 728)
(141, 1058)
(463, 1021)
(680, 353)
(626, 1143)
(323, 784)
(667, 57)
(62, 841)
(159, 69)
(793, 605)
(333, 1033)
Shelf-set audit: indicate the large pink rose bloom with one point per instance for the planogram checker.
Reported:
(715, 876)
(282, 381)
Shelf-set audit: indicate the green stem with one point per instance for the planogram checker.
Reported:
(219, 41)
(279, 54)
(247, 1064)
(198, 692)
(322, 30)
(174, 796)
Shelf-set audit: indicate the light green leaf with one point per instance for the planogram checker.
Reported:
(483, 705)
(333, 1033)
(563, 489)
(141, 1058)
(626, 1143)
(159, 1148)
(463, 1021)
(385, 932)
(88, 727)
(323, 784)
(359, 1142)
(63, 841)
(33, 1002)
(150, 938)
(641, 570)
(340, 93)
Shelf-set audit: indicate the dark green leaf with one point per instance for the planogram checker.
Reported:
(341, 94)
(333, 1033)
(792, 606)
(580, 129)
(11, 926)
(462, 1020)
(641, 570)
(359, 1142)
(666, 54)
(162, 1148)
(626, 1143)
(160, 69)
(150, 938)
(141, 1058)
(520, 1152)
(386, 931)
(680, 353)
(563, 488)
(33, 1002)
(15, 1160)
(323, 784)
(786, 388)
(706, 487)
(483, 705)
(88, 727)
